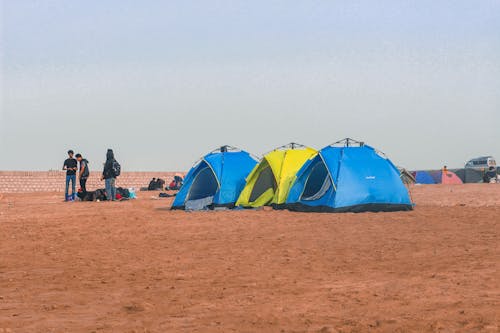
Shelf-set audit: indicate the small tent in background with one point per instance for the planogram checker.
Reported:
(424, 177)
(270, 181)
(470, 175)
(445, 177)
(348, 176)
(216, 180)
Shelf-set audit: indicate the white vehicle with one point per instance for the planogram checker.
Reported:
(481, 163)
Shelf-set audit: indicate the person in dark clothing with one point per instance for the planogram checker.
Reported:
(160, 183)
(152, 185)
(84, 173)
(70, 165)
(490, 174)
(109, 175)
(178, 182)
(175, 184)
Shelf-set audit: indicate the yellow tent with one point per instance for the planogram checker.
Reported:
(271, 179)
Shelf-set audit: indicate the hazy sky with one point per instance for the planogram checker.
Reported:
(163, 82)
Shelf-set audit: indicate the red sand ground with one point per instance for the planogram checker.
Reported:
(137, 267)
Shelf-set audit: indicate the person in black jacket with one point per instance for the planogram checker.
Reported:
(70, 165)
(160, 184)
(84, 173)
(152, 185)
(490, 174)
(109, 175)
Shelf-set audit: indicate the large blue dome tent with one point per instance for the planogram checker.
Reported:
(216, 180)
(348, 176)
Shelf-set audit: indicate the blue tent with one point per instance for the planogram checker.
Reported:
(216, 180)
(424, 177)
(350, 178)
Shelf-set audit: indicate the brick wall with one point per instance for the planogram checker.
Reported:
(53, 181)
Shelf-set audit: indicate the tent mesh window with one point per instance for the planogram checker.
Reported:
(265, 181)
(204, 185)
(317, 184)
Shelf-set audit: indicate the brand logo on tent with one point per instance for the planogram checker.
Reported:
(370, 177)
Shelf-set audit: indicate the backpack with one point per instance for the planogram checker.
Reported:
(100, 195)
(117, 168)
(89, 196)
(124, 192)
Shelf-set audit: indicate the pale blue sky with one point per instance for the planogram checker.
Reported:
(163, 82)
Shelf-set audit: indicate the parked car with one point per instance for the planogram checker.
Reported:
(481, 163)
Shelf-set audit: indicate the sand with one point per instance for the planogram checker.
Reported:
(137, 267)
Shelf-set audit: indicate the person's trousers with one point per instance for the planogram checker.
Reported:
(72, 179)
(110, 189)
(83, 185)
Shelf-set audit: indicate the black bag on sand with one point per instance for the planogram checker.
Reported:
(89, 196)
(124, 192)
(167, 195)
(100, 195)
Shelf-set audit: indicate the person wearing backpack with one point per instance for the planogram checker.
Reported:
(84, 173)
(112, 169)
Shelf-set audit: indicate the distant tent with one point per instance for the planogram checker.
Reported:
(424, 177)
(216, 180)
(474, 176)
(350, 178)
(460, 173)
(445, 177)
(270, 181)
(470, 175)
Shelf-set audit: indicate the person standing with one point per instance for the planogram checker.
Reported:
(70, 165)
(84, 173)
(111, 170)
